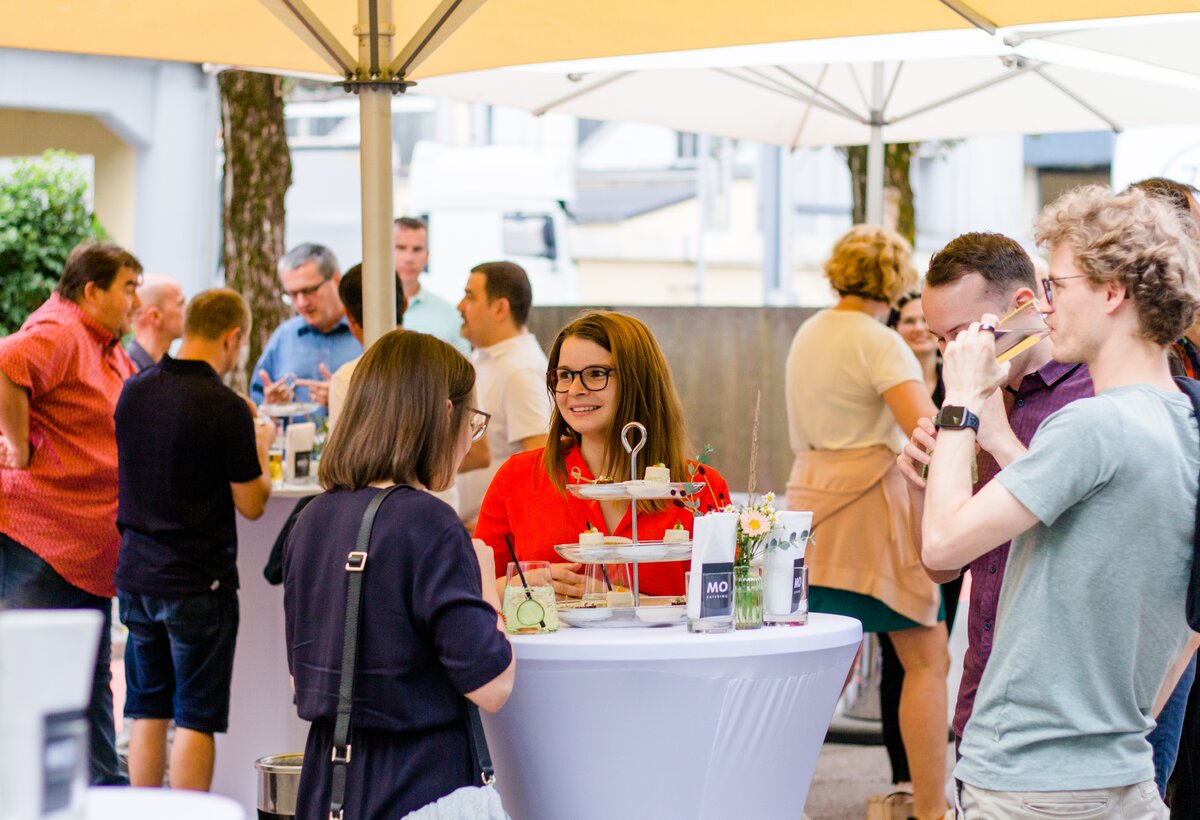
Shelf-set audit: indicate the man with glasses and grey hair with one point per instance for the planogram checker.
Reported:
(303, 352)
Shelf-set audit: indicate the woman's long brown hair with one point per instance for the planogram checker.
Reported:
(645, 393)
(394, 426)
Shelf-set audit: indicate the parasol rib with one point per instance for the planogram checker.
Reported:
(1040, 70)
(770, 85)
(574, 95)
(972, 16)
(298, 17)
(444, 21)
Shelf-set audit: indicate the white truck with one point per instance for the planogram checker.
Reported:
(492, 203)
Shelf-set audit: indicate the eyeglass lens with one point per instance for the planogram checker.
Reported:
(593, 378)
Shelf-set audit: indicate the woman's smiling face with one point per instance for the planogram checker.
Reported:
(588, 412)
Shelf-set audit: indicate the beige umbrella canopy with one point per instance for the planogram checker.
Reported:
(379, 45)
(477, 34)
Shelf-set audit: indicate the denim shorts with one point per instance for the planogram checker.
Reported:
(179, 657)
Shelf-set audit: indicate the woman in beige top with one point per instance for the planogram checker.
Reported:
(855, 391)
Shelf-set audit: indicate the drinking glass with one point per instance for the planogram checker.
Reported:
(529, 599)
(606, 585)
(1019, 330)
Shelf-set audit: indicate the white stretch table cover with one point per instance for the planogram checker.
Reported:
(666, 724)
(115, 803)
(262, 717)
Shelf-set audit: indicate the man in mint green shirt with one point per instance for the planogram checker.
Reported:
(427, 312)
(1091, 627)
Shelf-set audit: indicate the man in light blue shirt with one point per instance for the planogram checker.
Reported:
(1091, 633)
(427, 312)
(304, 351)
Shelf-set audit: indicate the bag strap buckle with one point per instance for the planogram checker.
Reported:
(345, 758)
(356, 561)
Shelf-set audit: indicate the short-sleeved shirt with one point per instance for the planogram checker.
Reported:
(429, 313)
(1049, 388)
(63, 507)
(1092, 610)
(839, 366)
(298, 348)
(524, 504)
(183, 437)
(427, 636)
(511, 385)
(339, 387)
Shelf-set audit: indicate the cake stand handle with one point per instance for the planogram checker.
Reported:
(633, 449)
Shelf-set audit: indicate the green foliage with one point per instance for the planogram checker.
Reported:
(43, 214)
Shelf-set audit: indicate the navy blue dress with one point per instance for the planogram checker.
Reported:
(426, 638)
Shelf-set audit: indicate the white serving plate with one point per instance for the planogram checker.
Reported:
(661, 615)
(575, 615)
(642, 551)
(596, 492)
(645, 490)
(286, 410)
(624, 617)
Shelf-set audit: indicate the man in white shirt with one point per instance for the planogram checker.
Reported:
(427, 312)
(510, 371)
(350, 292)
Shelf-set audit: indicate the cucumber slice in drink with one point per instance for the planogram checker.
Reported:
(530, 613)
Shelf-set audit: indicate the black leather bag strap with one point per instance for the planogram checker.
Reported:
(487, 772)
(356, 564)
(1192, 388)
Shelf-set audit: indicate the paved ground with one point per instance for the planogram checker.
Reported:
(846, 775)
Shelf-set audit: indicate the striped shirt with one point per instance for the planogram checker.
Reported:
(63, 507)
(1040, 393)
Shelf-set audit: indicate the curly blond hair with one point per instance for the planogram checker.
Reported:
(872, 262)
(1136, 239)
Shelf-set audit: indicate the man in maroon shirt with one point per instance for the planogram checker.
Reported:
(980, 273)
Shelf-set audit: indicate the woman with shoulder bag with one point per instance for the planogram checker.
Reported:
(430, 646)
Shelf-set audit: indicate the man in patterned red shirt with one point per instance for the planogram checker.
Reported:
(60, 378)
(980, 273)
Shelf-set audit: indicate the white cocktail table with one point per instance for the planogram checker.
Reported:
(665, 724)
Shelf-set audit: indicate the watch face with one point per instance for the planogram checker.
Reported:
(952, 416)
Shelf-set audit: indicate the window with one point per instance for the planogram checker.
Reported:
(529, 235)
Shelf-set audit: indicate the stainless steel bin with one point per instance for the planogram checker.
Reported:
(278, 785)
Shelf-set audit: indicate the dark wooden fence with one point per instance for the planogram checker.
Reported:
(720, 358)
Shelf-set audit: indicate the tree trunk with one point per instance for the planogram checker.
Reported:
(898, 192)
(258, 172)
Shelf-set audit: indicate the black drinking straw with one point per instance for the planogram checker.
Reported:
(603, 568)
(513, 552)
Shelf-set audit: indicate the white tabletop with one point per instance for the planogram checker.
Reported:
(118, 803)
(676, 643)
(287, 490)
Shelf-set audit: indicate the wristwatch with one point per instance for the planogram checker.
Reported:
(955, 417)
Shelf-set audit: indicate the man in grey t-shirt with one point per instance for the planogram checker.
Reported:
(1091, 624)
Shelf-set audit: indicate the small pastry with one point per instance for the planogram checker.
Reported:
(591, 537)
(676, 535)
(659, 474)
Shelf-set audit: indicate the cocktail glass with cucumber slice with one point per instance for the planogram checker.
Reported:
(529, 599)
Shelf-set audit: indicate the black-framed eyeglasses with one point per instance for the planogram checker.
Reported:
(290, 296)
(478, 422)
(593, 377)
(1049, 282)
